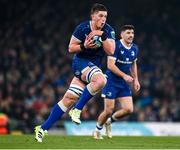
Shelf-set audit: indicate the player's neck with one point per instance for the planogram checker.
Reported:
(125, 44)
(93, 26)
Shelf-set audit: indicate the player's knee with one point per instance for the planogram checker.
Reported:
(100, 81)
(72, 94)
(104, 81)
(128, 110)
(69, 100)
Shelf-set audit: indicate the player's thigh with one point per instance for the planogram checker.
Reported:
(85, 73)
(74, 91)
(77, 82)
(126, 103)
(85, 69)
(92, 73)
(109, 105)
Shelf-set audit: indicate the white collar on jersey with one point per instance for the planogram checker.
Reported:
(127, 47)
(90, 22)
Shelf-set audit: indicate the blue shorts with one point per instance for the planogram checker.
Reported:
(115, 89)
(79, 64)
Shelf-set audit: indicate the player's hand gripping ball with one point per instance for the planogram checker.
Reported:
(97, 40)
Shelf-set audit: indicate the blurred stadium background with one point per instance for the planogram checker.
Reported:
(35, 66)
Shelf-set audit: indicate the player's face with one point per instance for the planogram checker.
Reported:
(99, 18)
(128, 36)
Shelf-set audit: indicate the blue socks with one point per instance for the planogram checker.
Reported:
(85, 97)
(56, 114)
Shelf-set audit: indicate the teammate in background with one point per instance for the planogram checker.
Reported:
(121, 71)
(88, 77)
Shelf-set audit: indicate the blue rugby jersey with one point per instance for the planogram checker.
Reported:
(93, 55)
(124, 57)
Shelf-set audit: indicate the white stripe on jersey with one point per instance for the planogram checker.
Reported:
(75, 38)
(85, 69)
(124, 62)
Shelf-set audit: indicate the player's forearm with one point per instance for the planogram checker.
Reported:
(109, 46)
(116, 70)
(74, 48)
(134, 71)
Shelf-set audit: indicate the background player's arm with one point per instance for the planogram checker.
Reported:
(111, 66)
(134, 73)
(134, 70)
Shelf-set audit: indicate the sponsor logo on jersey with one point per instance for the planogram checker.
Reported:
(113, 34)
(132, 53)
(109, 94)
(124, 62)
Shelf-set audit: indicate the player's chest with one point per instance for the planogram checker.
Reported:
(127, 55)
(86, 32)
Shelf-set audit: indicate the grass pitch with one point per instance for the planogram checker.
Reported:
(87, 142)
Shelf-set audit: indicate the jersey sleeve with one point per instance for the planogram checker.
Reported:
(110, 33)
(78, 33)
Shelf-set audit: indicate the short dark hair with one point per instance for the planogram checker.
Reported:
(127, 27)
(98, 7)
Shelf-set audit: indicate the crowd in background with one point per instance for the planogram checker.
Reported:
(35, 66)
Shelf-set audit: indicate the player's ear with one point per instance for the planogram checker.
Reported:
(120, 35)
(92, 16)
